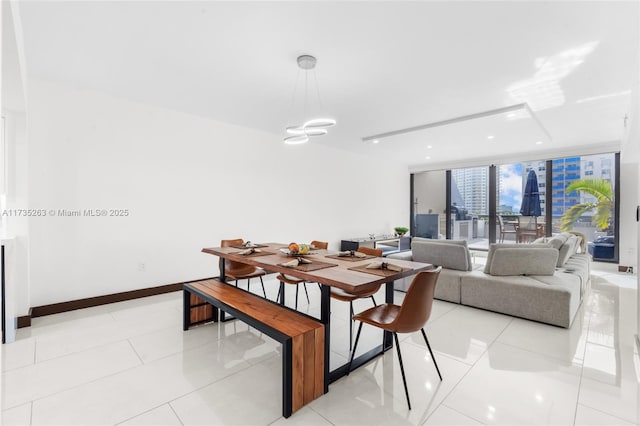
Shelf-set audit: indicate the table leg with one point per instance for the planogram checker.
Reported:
(221, 266)
(223, 278)
(387, 340)
(325, 318)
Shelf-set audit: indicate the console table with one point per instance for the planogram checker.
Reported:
(388, 243)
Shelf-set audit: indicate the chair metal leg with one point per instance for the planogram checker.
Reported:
(404, 379)
(263, 290)
(297, 285)
(354, 349)
(431, 352)
(351, 322)
(374, 300)
(306, 292)
(280, 298)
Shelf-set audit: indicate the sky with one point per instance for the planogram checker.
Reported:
(511, 188)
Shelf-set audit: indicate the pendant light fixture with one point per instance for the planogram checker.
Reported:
(300, 133)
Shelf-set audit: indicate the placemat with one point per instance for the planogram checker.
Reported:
(379, 272)
(350, 258)
(240, 246)
(307, 267)
(256, 254)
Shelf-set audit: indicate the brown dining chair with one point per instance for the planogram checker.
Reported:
(411, 316)
(320, 245)
(285, 279)
(239, 271)
(529, 229)
(504, 230)
(344, 296)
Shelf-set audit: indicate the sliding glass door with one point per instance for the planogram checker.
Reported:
(469, 209)
(482, 205)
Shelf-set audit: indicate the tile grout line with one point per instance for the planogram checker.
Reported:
(442, 404)
(135, 352)
(175, 413)
(469, 370)
(584, 353)
(605, 413)
(209, 384)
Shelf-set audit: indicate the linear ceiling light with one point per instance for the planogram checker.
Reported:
(497, 111)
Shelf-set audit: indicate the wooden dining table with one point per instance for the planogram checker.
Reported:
(340, 274)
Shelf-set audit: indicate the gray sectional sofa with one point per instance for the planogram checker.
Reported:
(544, 281)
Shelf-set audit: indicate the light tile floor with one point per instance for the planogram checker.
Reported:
(130, 363)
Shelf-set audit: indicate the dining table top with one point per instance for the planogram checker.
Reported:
(340, 273)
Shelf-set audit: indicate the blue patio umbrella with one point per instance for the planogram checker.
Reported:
(531, 197)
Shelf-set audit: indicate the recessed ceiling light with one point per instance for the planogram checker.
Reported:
(427, 158)
(375, 141)
(429, 146)
(539, 143)
(511, 115)
(490, 137)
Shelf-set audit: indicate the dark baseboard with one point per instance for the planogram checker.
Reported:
(56, 308)
(24, 321)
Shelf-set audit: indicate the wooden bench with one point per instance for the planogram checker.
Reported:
(302, 337)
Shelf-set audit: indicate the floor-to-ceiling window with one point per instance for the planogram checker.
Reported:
(583, 200)
(576, 194)
(469, 209)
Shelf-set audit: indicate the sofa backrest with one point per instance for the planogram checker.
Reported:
(521, 259)
(566, 243)
(450, 254)
(495, 246)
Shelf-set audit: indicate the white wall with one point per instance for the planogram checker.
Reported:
(629, 187)
(16, 198)
(187, 182)
(15, 164)
(430, 188)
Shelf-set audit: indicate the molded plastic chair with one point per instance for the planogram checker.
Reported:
(342, 295)
(411, 316)
(504, 231)
(238, 270)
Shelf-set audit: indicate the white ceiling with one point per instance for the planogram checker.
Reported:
(382, 66)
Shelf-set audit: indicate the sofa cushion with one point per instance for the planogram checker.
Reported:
(558, 240)
(523, 261)
(554, 301)
(450, 254)
(568, 249)
(495, 246)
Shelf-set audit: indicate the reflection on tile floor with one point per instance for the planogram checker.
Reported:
(130, 363)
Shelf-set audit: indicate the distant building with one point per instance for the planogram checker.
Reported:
(473, 187)
(564, 172)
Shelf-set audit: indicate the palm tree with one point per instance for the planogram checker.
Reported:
(603, 206)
